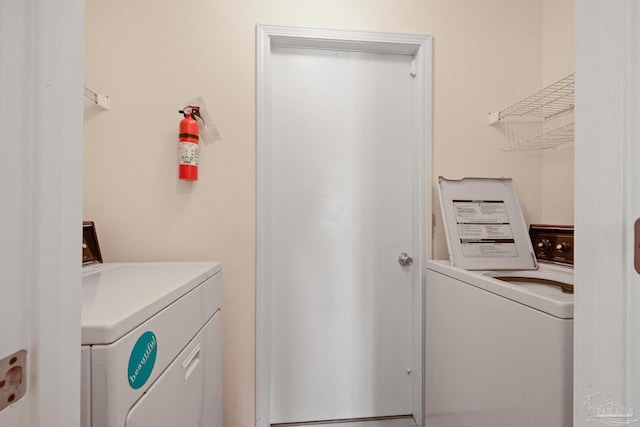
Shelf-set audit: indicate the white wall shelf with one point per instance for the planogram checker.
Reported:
(542, 120)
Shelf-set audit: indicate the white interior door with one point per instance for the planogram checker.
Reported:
(341, 216)
(345, 200)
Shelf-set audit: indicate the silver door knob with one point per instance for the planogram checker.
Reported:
(405, 259)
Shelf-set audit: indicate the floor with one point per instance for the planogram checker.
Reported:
(396, 422)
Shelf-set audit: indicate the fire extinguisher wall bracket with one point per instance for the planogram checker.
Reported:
(188, 141)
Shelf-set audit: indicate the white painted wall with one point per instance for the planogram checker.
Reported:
(557, 63)
(150, 57)
(487, 56)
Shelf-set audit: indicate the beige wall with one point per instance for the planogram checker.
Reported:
(150, 56)
(557, 62)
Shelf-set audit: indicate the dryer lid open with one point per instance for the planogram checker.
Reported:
(484, 225)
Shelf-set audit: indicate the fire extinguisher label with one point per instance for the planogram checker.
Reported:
(188, 153)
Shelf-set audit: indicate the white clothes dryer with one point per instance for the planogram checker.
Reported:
(152, 345)
(499, 326)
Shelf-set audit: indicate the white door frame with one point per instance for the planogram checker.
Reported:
(41, 76)
(607, 154)
(420, 47)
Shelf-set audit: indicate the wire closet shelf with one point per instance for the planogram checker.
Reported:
(542, 120)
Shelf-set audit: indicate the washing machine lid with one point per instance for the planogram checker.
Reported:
(484, 225)
(117, 297)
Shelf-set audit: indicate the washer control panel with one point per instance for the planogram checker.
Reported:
(552, 243)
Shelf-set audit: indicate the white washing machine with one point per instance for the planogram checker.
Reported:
(499, 326)
(152, 345)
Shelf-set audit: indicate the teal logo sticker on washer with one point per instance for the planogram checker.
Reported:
(142, 359)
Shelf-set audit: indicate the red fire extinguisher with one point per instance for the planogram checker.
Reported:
(188, 144)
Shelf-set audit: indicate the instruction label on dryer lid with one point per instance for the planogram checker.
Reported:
(484, 228)
(142, 359)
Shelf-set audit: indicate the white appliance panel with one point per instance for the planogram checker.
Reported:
(182, 395)
(484, 225)
(491, 360)
(173, 315)
(118, 297)
(85, 386)
(557, 304)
